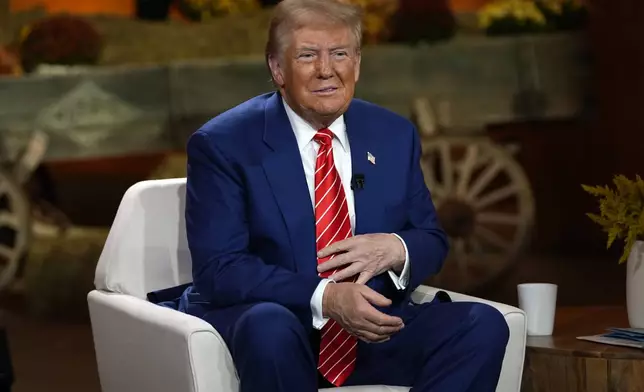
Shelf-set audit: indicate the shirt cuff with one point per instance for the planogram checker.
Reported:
(316, 304)
(401, 281)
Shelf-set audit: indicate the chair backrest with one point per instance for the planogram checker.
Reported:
(146, 248)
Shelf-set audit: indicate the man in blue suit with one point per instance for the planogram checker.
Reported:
(267, 274)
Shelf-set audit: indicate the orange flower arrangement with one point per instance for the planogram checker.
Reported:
(9, 63)
(61, 39)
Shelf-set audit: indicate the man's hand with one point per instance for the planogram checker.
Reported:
(368, 255)
(350, 304)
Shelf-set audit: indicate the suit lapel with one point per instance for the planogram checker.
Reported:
(361, 142)
(285, 174)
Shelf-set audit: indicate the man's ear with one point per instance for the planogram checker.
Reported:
(276, 70)
(356, 70)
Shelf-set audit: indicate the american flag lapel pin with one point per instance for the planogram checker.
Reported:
(371, 158)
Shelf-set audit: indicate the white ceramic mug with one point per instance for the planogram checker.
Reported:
(539, 302)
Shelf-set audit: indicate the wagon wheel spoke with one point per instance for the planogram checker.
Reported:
(14, 219)
(7, 219)
(6, 252)
(466, 262)
(461, 254)
(466, 169)
(493, 238)
(484, 180)
(461, 258)
(496, 196)
(469, 258)
(431, 181)
(480, 260)
(447, 167)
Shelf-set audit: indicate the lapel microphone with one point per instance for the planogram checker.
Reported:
(357, 182)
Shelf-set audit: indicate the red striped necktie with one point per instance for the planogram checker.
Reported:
(337, 346)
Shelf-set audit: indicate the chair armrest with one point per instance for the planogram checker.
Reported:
(141, 346)
(426, 293)
(512, 370)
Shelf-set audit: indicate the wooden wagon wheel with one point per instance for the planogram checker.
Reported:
(15, 207)
(485, 204)
(15, 227)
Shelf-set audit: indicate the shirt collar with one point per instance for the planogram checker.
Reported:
(304, 132)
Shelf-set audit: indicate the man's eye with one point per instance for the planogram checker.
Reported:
(340, 54)
(305, 55)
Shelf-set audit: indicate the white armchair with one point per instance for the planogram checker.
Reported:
(141, 346)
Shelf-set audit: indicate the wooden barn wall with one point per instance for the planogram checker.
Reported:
(559, 156)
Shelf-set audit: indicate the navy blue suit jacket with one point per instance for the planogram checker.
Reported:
(250, 220)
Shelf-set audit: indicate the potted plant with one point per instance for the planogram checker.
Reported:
(621, 216)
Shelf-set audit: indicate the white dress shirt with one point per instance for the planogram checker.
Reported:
(308, 147)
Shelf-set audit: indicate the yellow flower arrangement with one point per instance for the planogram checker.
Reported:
(234, 6)
(523, 11)
(519, 16)
(208, 9)
(9, 64)
(376, 17)
(621, 211)
(557, 6)
(24, 33)
(552, 5)
(564, 14)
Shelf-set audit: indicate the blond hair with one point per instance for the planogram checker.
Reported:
(289, 15)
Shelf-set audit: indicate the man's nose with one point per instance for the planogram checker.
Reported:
(325, 67)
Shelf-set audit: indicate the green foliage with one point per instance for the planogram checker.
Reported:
(621, 211)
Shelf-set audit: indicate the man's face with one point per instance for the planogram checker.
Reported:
(318, 72)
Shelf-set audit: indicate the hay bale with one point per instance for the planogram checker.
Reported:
(130, 41)
(173, 166)
(60, 270)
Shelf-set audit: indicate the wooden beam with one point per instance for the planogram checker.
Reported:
(4, 21)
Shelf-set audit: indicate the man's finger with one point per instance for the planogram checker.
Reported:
(364, 277)
(370, 337)
(379, 330)
(372, 332)
(339, 246)
(374, 297)
(346, 273)
(335, 262)
(379, 318)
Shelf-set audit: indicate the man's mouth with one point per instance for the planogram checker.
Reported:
(325, 91)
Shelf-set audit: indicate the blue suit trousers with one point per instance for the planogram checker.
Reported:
(444, 347)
